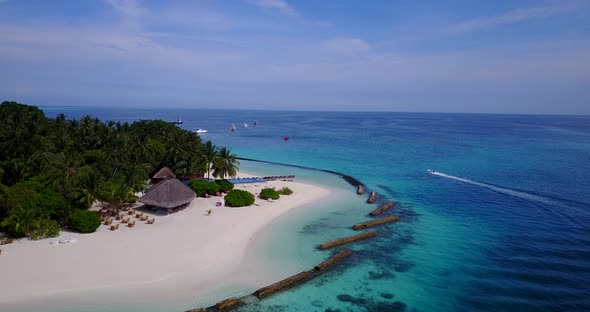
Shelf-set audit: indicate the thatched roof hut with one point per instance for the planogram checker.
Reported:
(169, 193)
(164, 173)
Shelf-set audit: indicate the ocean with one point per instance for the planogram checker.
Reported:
(503, 224)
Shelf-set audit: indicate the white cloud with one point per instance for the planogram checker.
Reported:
(279, 5)
(510, 17)
(129, 8)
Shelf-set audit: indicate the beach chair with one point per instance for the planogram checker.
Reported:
(118, 217)
(125, 220)
(130, 212)
(108, 222)
(143, 218)
(114, 227)
(131, 224)
(151, 221)
(2, 242)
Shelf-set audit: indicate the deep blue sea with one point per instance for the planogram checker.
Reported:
(505, 226)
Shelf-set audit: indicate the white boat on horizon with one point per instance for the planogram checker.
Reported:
(232, 128)
(245, 125)
(199, 130)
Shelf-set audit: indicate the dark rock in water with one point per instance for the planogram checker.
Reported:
(380, 275)
(387, 296)
(403, 266)
(351, 299)
(317, 303)
(387, 307)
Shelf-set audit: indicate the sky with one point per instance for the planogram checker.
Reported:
(501, 56)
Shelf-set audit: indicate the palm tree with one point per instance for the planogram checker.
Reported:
(208, 154)
(225, 164)
(115, 192)
(19, 222)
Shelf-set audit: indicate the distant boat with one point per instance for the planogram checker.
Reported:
(254, 123)
(199, 131)
(430, 171)
(177, 122)
(232, 128)
(245, 125)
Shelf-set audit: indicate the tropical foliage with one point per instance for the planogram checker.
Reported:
(84, 221)
(202, 187)
(239, 198)
(225, 164)
(285, 191)
(225, 185)
(269, 193)
(50, 169)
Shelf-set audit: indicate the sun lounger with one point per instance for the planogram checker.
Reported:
(151, 221)
(131, 224)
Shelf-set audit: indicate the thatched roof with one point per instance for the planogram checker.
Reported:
(163, 173)
(168, 193)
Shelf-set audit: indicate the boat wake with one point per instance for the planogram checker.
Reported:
(511, 192)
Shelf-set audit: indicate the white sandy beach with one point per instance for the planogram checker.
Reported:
(185, 252)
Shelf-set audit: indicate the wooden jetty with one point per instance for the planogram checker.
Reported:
(382, 209)
(333, 260)
(375, 222)
(282, 285)
(372, 198)
(230, 303)
(345, 240)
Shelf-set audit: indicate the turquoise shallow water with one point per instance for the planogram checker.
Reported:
(507, 228)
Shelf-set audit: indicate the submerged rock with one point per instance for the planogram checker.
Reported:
(387, 296)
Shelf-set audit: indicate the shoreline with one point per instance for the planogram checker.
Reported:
(186, 254)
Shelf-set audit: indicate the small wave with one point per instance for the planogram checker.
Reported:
(511, 192)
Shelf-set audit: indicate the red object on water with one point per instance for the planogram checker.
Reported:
(286, 138)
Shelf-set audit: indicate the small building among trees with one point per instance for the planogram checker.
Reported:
(168, 195)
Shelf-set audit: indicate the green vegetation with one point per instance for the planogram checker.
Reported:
(239, 198)
(54, 169)
(84, 221)
(285, 191)
(225, 185)
(269, 193)
(202, 187)
(225, 164)
(45, 228)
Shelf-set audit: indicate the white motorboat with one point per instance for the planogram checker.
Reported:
(232, 128)
(199, 130)
(245, 125)
(430, 171)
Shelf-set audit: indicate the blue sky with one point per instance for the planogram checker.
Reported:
(425, 56)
